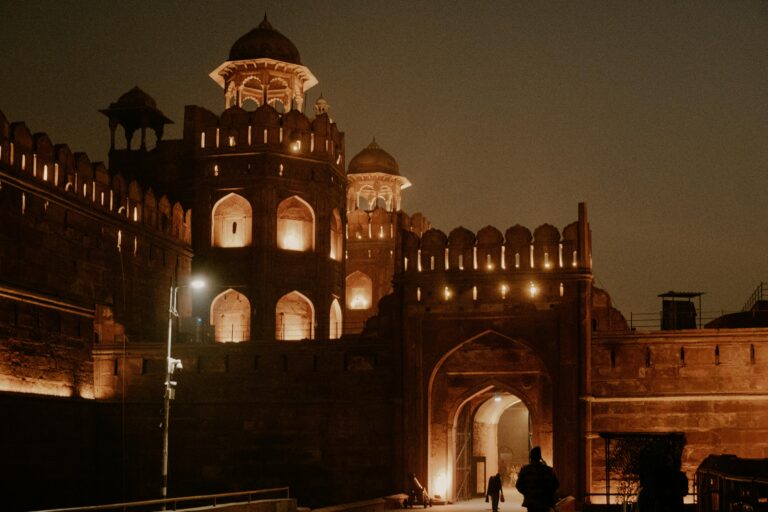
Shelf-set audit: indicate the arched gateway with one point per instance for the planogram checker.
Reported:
(489, 400)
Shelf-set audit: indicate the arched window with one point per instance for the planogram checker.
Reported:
(359, 291)
(335, 321)
(294, 317)
(231, 317)
(231, 222)
(295, 225)
(336, 237)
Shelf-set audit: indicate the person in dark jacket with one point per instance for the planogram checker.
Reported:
(494, 491)
(537, 483)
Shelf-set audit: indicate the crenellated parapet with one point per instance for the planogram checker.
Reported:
(495, 265)
(239, 131)
(382, 225)
(34, 163)
(488, 250)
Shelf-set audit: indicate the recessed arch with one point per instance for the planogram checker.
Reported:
(295, 225)
(359, 289)
(510, 367)
(231, 317)
(294, 317)
(231, 222)
(335, 327)
(336, 235)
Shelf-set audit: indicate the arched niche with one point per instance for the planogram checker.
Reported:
(336, 235)
(231, 317)
(231, 221)
(294, 317)
(335, 327)
(295, 225)
(359, 291)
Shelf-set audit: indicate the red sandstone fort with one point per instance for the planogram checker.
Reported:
(340, 343)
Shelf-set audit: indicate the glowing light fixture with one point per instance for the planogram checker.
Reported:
(441, 484)
(533, 290)
(447, 293)
(504, 291)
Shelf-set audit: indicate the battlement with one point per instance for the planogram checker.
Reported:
(238, 130)
(35, 160)
(380, 224)
(544, 250)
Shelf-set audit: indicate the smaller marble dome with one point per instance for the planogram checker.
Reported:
(373, 159)
(264, 42)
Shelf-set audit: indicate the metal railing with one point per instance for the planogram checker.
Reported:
(173, 503)
(760, 294)
(653, 321)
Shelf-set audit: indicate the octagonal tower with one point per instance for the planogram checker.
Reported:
(374, 222)
(269, 196)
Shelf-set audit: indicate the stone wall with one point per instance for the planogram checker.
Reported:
(711, 385)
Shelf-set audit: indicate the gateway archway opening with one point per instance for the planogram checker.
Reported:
(493, 435)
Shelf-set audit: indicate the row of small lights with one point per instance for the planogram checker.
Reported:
(489, 264)
(74, 186)
(532, 290)
(295, 145)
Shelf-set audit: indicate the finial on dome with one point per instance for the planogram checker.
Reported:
(321, 106)
(265, 23)
(373, 144)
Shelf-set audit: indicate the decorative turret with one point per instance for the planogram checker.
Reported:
(135, 110)
(374, 179)
(321, 106)
(265, 67)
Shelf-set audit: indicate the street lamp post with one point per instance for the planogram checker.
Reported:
(171, 365)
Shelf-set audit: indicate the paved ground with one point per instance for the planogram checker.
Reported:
(512, 504)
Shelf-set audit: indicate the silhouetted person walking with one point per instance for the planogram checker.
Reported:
(537, 483)
(494, 491)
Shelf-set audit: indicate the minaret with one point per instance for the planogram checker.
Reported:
(264, 67)
(373, 202)
(269, 200)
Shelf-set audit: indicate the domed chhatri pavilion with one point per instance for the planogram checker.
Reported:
(264, 66)
(339, 344)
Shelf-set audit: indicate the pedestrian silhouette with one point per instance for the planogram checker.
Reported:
(537, 483)
(494, 491)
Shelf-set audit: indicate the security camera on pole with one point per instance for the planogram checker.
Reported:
(172, 364)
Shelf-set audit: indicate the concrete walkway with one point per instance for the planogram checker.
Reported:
(512, 504)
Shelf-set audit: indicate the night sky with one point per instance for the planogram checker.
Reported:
(654, 113)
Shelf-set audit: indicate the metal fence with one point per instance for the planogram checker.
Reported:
(186, 502)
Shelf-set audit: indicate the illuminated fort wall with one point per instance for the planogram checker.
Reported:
(85, 258)
(491, 313)
(710, 384)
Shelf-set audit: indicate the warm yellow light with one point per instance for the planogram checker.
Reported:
(547, 265)
(447, 293)
(504, 290)
(291, 242)
(441, 484)
(533, 289)
(197, 283)
(359, 302)
(296, 146)
(39, 387)
(489, 266)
